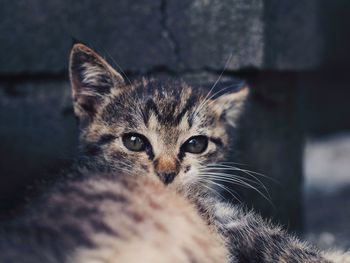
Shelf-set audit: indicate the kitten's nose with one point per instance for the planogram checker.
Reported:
(166, 168)
(167, 177)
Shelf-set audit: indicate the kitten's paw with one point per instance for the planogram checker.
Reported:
(338, 256)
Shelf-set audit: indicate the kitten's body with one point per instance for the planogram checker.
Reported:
(109, 218)
(251, 239)
(135, 136)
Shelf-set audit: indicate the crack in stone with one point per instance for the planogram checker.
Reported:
(167, 34)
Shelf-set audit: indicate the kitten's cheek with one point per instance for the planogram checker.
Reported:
(145, 168)
(186, 176)
(187, 169)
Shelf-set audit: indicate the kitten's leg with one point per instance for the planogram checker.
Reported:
(251, 239)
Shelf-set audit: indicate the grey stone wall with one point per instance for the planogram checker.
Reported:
(278, 41)
(141, 35)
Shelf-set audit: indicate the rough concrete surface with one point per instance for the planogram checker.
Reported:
(148, 35)
(36, 35)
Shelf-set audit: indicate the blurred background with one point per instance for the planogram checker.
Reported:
(294, 54)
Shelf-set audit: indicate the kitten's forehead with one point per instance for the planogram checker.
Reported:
(170, 104)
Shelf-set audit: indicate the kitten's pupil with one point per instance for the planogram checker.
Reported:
(134, 142)
(196, 144)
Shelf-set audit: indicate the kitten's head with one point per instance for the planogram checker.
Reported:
(169, 131)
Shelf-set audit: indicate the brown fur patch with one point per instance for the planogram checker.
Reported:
(166, 164)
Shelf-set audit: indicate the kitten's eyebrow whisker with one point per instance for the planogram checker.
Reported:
(216, 93)
(206, 102)
(218, 79)
(117, 65)
(209, 101)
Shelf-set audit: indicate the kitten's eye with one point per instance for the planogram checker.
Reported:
(134, 142)
(195, 144)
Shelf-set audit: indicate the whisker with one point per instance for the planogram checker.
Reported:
(249, 172)
(234, 167)
(207, 101)
(226, 178)
(223, 164)
(217, 81)
(231, 180)
(211, 189)
(257, 180)
(117, 65)
(235, 163)
(212, 170)
(226, 189)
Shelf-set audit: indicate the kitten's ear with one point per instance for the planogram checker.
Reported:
(91, 79)
(229, 105)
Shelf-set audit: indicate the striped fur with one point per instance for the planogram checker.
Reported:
(251, 239)
(107, 218)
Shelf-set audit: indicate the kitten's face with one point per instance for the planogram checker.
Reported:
(167, 131)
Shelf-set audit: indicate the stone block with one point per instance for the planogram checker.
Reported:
(207, 32)
(144, 36)
(36, 35)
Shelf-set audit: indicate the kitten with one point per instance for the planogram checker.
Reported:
(147, 149)
(172, 132)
